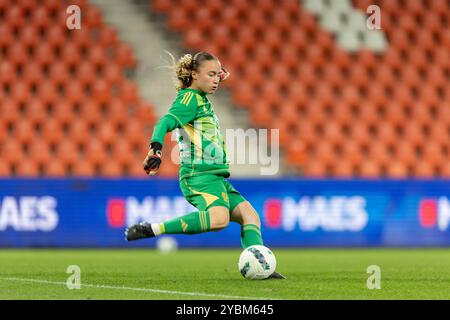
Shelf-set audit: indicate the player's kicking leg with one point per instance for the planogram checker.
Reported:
(213, 219)
(248, 218)
(139, 231)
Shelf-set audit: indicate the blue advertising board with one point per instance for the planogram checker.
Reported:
(79, 212)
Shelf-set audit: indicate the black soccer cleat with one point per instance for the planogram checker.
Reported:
(139, 231)
(276, 275)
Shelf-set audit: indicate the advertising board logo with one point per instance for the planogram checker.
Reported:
(122, 212)
(434, 212)
(28, 213)
(337, 213)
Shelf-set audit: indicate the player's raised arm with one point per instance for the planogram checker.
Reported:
(183, 111)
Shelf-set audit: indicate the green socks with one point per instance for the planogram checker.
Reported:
(250, 236)
(192, 223)
(199, 221)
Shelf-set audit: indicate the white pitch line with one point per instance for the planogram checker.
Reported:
(139, 289)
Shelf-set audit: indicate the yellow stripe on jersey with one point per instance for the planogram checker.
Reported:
(186, 98)
(190, 98)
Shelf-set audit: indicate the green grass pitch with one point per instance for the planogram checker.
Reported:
(213, 274)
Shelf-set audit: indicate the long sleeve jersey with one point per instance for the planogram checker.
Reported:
(202, 147)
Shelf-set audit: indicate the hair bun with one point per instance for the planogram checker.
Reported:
(186, 61)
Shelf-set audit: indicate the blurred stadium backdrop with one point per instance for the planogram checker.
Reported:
(364, 118)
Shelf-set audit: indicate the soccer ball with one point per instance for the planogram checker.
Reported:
(166, 244)
(257, 262)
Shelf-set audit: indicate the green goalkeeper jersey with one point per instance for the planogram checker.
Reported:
(202, 147)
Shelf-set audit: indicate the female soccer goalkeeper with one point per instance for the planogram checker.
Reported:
(204, 167)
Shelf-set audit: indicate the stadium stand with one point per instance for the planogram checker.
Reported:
(67, 107)
(348, 103)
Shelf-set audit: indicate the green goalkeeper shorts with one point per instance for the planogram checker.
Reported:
(210, 190)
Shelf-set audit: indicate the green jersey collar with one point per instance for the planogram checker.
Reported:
(195, 90)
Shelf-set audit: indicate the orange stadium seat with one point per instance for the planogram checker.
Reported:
(395, 115)
(40, 18)
(406, 153)
(83, 168)
(29, 36)
(397, 169)
(375, 112)
(281, 19)
(113, 75)
(67, 152)
(161, 5)
(86, 73)
(52, 131)
(81, 38)
(59, 73)
(106, 133)
(17, 54)
(413, 131)
(129, 92)
(28, 169)
(432, 151)
(324, 153)
(4, 135)
(4, 168)
(44, 54)
(179, 20)
(297, 39)
(370, 169)
(134, 131)
(122, 152)
(315, 169)
(14, 17)
(435, 75)
(39, 150)
(424, 170)
(12, 151)
(108, 36)
(98, 55)
(444, 169)
(379, 152)
(32, 73)
(55, 168)
(74, 92)
(360, 133)
(255, 18)
(79, 131)
(194, 38)
(23, 132)
(56, 36)
(111, 169)
(95, 151)
(429, 95)
(101, 91)
(421, 112)
(48, 92)
(344, 169)
(418, 58)
(124, 56)
(70, 54)
(440, 133)
(93, 17)
(63, 112)
(6, 36)
(296, 152)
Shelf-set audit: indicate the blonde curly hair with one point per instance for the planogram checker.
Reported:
(185, 65)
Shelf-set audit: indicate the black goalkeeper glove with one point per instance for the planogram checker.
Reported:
(153, 159)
